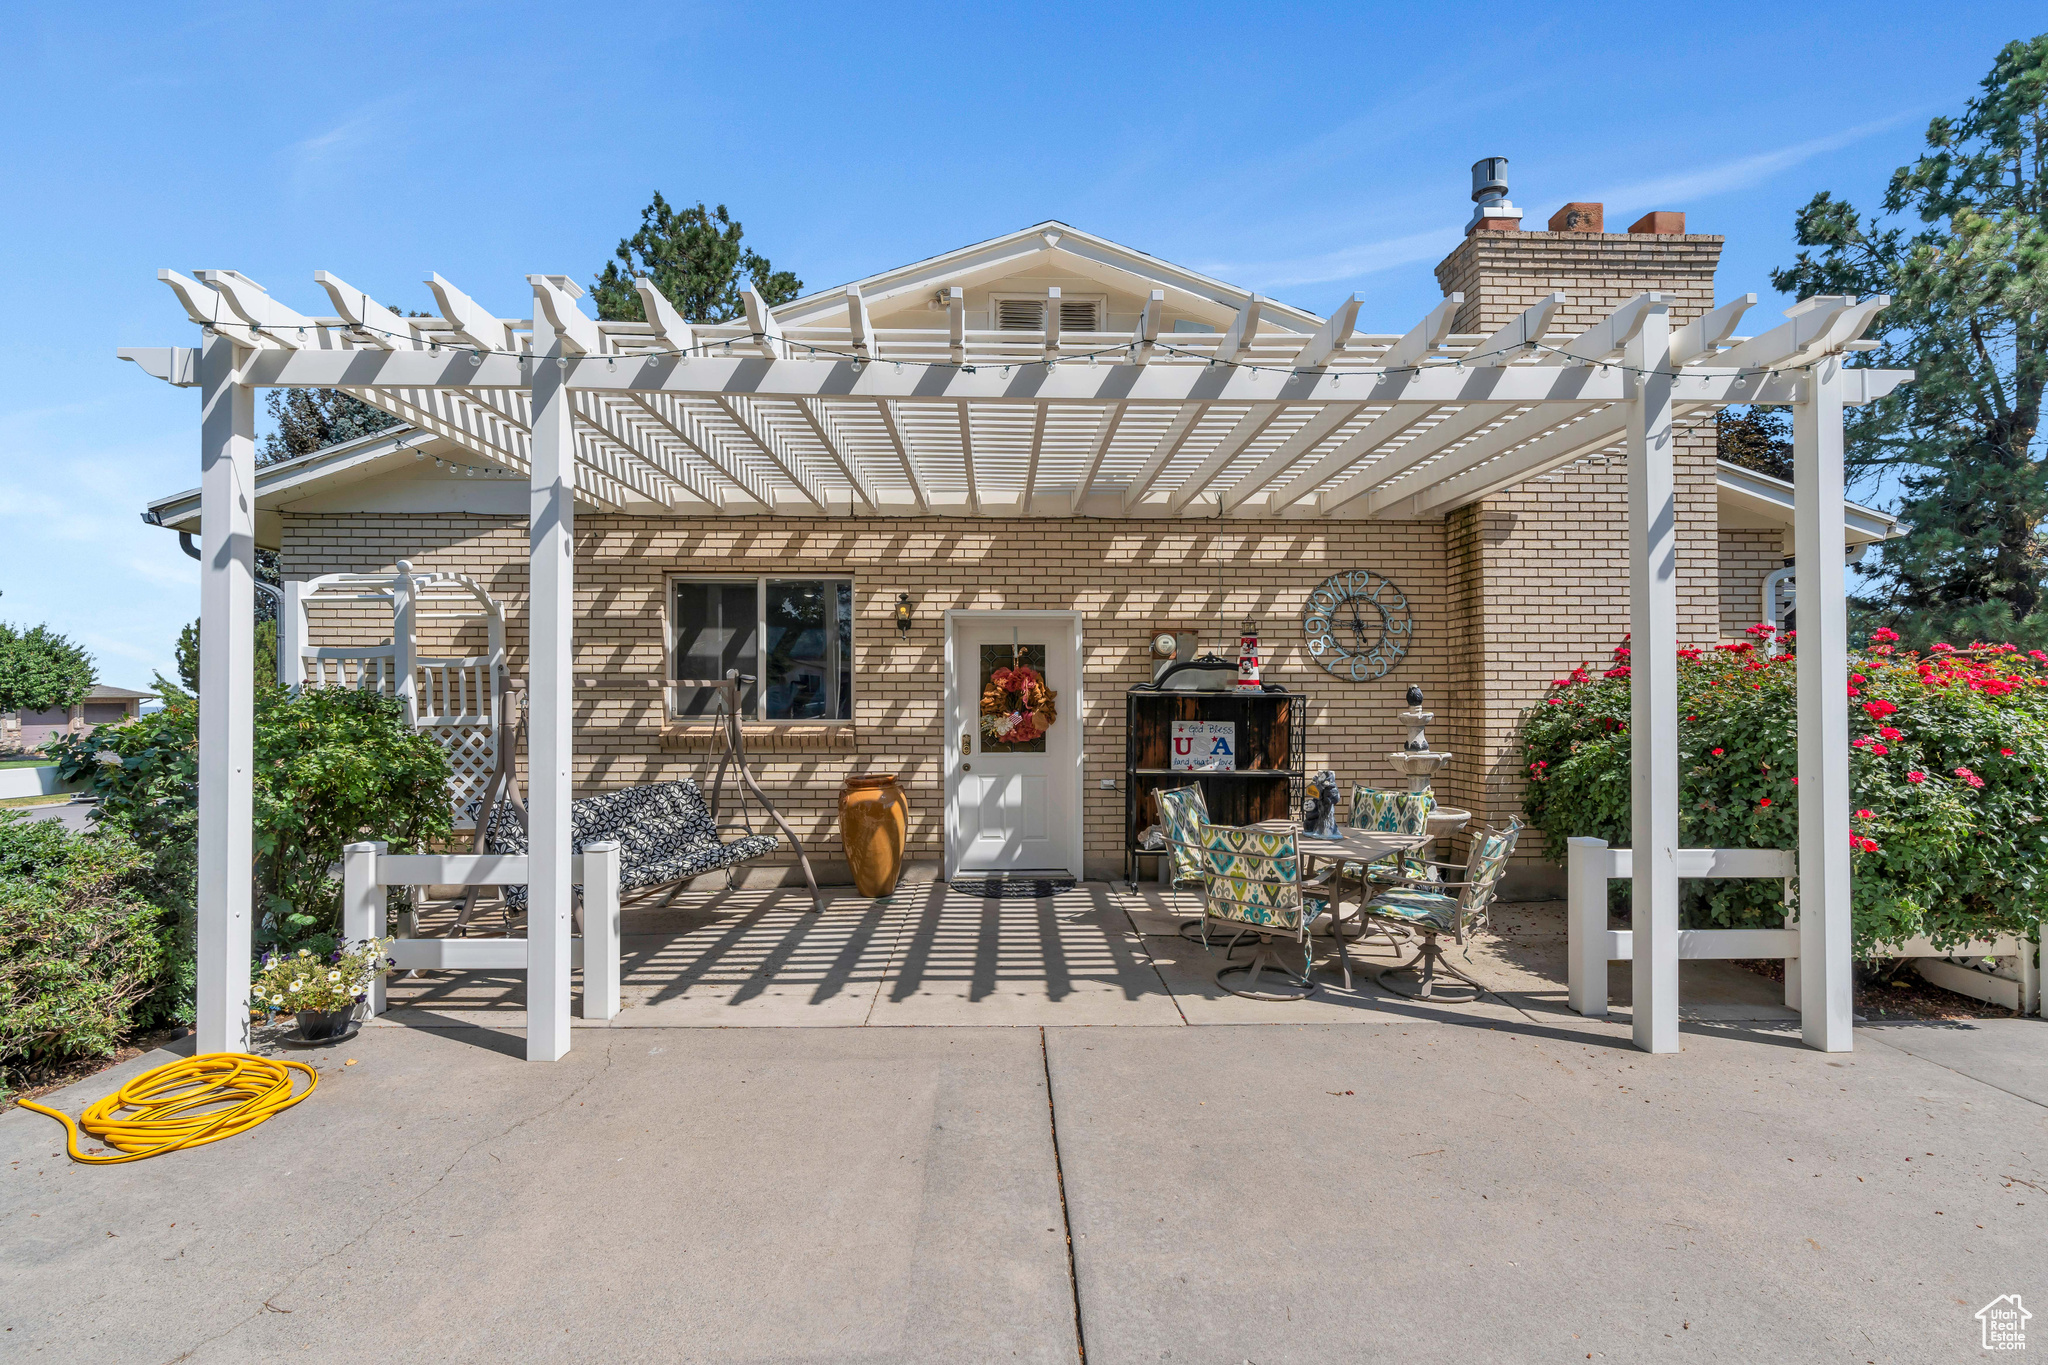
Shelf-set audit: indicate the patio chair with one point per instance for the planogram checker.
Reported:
(1386, 812)
(1252, 884)
(1391, 812)
(1426, 908)
(1183, 815)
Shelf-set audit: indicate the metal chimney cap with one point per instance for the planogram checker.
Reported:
(1489, 177)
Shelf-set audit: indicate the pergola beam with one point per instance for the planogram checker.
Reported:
(967, 456)
(857, 325)
(819, 420)
(470, 321)
(761, 321)
(1513, 339)
(683, 426)
(1146, 335)
(1229, 448)
(901, 445)
(1331, 336)
(1098, 448)
(771, 444)
(1410, 480)
(1162, 453)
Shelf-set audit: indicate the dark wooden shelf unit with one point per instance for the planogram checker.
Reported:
(1272, 753)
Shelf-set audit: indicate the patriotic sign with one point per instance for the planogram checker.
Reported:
(1204, 746)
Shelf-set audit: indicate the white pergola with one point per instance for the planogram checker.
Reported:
(668, 418)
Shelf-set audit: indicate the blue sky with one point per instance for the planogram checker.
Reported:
(1302, 151)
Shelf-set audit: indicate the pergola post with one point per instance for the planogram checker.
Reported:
(227, 696)
(1653, 687)
(551, 525)
(1819, 543)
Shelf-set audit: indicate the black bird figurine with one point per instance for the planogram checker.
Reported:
(1414, 695)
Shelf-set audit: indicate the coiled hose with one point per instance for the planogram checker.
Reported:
(174, 1105)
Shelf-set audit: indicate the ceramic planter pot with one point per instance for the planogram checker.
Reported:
(319, 1026)
(874, 821)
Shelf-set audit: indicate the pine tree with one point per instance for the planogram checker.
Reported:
(306, 420)
(1969, 315)
(695, 259)
(1756, 438)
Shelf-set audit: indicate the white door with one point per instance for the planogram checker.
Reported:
(1013, 806)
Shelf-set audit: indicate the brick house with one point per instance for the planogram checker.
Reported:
(1133, 519)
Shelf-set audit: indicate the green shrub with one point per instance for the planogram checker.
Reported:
(82, 948)
(332, 766)
(1949, 755)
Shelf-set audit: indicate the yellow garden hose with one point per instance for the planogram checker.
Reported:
(174, 1105)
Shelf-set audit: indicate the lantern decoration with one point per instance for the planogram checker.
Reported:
(1248, 660)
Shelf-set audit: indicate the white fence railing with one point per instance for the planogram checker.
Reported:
(1591, 864)
(366, 870)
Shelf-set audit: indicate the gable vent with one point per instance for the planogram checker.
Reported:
(1080, 315)
(1021, 315)
(1028, 314)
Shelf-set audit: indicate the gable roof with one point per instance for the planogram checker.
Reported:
(1050, 244)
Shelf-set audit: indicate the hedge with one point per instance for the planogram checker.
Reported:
(1946, 765)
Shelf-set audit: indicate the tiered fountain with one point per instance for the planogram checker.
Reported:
(1419, 763)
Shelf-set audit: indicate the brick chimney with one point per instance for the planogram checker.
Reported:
(1501, 269)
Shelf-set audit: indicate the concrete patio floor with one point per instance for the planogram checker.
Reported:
(1099, 954)
(1356, 1178)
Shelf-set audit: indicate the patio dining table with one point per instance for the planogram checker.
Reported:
(1351, 845)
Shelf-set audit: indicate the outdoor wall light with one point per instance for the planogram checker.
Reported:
(903, 614)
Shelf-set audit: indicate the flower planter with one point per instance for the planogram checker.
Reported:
(321, 1026)
(874, 821)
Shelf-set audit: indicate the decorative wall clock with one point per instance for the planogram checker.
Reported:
(1358, 625)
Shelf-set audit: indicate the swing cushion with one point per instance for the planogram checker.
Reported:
(664, 831)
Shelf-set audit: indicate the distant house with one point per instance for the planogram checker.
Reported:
(102, 706)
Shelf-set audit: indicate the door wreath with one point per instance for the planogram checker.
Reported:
(1016, 706)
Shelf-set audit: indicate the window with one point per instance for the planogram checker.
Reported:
(1026, 313)
(794, 636)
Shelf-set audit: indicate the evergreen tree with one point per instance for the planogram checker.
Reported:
(695, 259)
(306, 420)
(1756, 438)
(1969, 314)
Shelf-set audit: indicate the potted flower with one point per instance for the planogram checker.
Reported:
(322, 991)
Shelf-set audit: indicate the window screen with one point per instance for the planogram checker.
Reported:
(717, 628)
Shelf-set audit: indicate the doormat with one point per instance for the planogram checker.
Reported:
(1013, 888)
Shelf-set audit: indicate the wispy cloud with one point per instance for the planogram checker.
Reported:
(1347, 263)
(1704, 182)
(1675, 188)
(312, 159)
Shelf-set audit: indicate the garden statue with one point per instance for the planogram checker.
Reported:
(1319, 811)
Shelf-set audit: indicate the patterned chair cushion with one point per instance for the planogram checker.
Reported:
(1391, 812)
(664, 831)
(1183, 813)
(1414, 904)
(1252, 877)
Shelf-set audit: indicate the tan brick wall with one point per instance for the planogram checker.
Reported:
(1551, 584)
(1126, 578)
(1747, 557)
